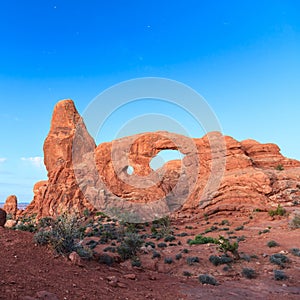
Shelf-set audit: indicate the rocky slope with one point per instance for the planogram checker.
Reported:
(217, 173)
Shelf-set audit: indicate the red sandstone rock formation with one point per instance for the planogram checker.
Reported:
(61, 191)
(217, 173)
(11, 206)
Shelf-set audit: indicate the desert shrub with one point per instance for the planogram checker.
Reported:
(62, 235)
(207, 279)
(187, 273)
(185, 250)
(163, 226)
(84, 252)
(109, 249)
(295, 222)
(182, 234)
(279, 259)
(245, 257)
(211, 229)
(240, 238)
(42, 237)
(130, 245)
(106, 259)
(249, 273)
(295, 251)
(169, 238)
(219, 260)
(280, 275)
(178, 256)
(27, 223)
(200, 239)
(162, 245)
(155, 254)
(92, 244)
(272, 244)
(279, 211)
(168, 260)
(225, 246)
(45, 222)
(279, 167)
(150, 244)
(135, 262)
(225, 222)
(239, 228)
(191, 260)
(263, 231)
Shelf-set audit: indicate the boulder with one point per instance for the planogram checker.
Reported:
(2, 217)
(11, 206)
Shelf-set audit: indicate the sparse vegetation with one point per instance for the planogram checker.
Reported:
(207, 279)
(62, 234)
(279, 259)
(187, 273)
(279, 167)
(249, 273)
(279, 211)
(200, 239)
(272, 244)
(130, 245)
(279, 275)
(295, 251)
(168, 260)
(191, 260)
(295, 222)
(219, 260)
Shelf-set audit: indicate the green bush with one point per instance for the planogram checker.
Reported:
(200, 239)
(279, 211)
(272, 244)
(42, 237)
(130, 245)
(62, 235)
(279, 167)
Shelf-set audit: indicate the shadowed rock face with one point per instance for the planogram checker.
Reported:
(216, 173)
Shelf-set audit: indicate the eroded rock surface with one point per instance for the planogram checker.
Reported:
(61, 192)
(11, 206)
(217, 173)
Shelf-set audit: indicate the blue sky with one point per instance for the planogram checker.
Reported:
(243, 57)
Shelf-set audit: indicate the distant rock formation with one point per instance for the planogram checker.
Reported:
(11, 206)
(217, 173)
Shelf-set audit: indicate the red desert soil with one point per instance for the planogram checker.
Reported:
(27, 268)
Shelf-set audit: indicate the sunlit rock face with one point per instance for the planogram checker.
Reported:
(216, 173)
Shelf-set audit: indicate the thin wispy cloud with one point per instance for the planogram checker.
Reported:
(36, 161)
(2, 159)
